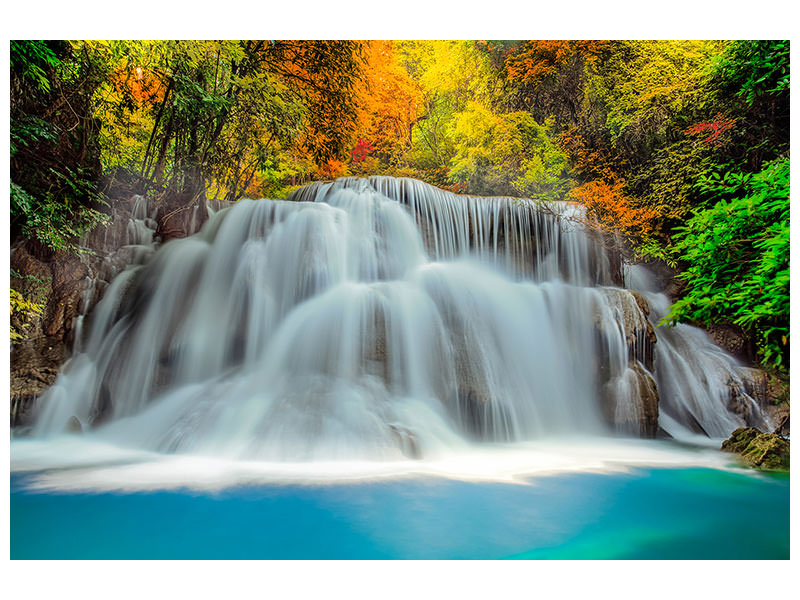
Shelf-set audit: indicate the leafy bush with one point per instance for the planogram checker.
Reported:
(737, 258)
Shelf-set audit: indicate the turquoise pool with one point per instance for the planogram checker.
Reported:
(647, 513)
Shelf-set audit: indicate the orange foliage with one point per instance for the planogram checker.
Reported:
(611, 207)
(541, 59)
(140, 84)
(390, 102)
(331, 169)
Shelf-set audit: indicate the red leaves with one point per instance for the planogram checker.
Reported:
(712, 130)
(360, 152)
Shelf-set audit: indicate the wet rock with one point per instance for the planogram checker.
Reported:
(74, 425)
(406, 440)
(630, 311)
(744, 406)
(740, 439)
(761, 450)
(629, 403)
(180, 216)
(782, 429)
(733, 340)
(768, 391)
(628, 392)
(756, 384)
(34, 368)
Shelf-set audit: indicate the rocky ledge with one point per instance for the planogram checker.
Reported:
(768, 451)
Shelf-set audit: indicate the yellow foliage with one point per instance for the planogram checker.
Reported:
(644, 83)
(23, 310)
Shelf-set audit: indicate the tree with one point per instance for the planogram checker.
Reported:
(390, 103)
(54, 156)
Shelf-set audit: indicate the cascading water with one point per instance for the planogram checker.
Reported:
(381, 319)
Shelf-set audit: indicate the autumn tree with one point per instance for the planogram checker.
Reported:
(389, 105)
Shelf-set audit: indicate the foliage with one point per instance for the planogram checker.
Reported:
(645, 84)
(753, 68)
(608, 203)
(32, 60)
(737, 258)
(229, 114)
(361, 150)
(750, 80)
(547, 77)
(389, 105)
(57, 225)
(53, 167)
(22, 311)
(712, 132)
(454, 76)
(667, 183)
(507, 154)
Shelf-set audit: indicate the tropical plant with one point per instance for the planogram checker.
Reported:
(736, 258)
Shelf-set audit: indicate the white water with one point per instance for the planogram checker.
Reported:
(379, 320)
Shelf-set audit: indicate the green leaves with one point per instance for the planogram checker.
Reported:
(737, 258)
(60, 217)
(29, 130)
(32, 59)
(755, 67)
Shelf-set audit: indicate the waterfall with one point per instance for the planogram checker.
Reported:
(383, 318)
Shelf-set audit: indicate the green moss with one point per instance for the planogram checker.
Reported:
(740, 439)
(762, 450)
(767, 451)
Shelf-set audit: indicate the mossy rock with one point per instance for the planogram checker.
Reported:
(768, 451)
(761, 450)
(740, 439)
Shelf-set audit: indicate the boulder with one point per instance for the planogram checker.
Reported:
(767, 451)
(770, 392)
(740, 439)
(74, 425)
(760, 450)
(782, 429)
(628, 391)
(630, 403)
(630, 311)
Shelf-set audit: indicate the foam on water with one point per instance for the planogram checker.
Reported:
(69, 463)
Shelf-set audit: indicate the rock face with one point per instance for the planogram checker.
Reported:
(34, 367)
(628, 393)
(769, 391)
(733, 340)
(761, 450)
(54, 280)
(67, 285)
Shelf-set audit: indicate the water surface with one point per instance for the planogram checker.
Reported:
(645, 513)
